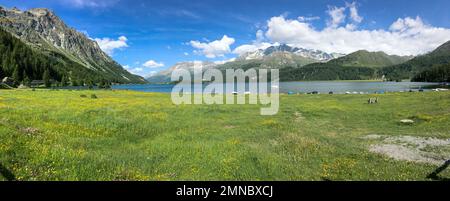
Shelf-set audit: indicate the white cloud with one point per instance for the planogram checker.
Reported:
(251, 48)
(257, 44)
(259, 36)
(354, 15)
(186, 54)
(153, 64)
(337, 16)
(224, 61)
(217, 48)
(145, 68)
(406, 36)
(137, 70)
(307, 19)
(109, 45)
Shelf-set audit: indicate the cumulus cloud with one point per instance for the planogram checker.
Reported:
(256, 45)
(405, 36)
(225, 61)
(145, 68)
(307, 19)
(109, 45)
(217, 48)
(153, 64)
(137, 70)
(337, 15)
(354, 15)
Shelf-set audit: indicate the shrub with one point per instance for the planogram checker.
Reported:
(93, 96)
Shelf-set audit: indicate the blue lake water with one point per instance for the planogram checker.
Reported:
(306, 87)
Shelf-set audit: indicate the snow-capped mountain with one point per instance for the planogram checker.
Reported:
(279, 57)
(317, 55)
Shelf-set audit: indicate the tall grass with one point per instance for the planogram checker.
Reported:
(124, 135)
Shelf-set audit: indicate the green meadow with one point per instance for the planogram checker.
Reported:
(124, 135)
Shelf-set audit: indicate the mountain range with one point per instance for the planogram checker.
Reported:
(313, 55)
(36, 44)
(78, 56)
(296, 64)
(434, 66)
(359, 65)
(302, 64)
(165, 75)
(277, 57)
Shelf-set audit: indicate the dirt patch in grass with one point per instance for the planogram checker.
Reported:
(414, 149)
(30, 131)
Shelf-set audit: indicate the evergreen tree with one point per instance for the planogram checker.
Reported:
(16, 75)
(90, 84)
(26, 81)
(74, 82)
(63, 81)
(46, 78)
(1, 73)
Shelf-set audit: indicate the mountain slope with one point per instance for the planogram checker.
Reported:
(439, 73)
(44, 31)
(360, 65)
(365, 58)
(435, 59)
(314, 55)
(23, 63)
(276, 60)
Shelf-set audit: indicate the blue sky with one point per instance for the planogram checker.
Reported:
(148, 36)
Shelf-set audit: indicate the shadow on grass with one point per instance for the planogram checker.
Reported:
(6, 173)
(434, 175)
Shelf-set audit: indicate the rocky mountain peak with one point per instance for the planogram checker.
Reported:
(40, 12)
(16, 10)
(44, 30)
(284, 48)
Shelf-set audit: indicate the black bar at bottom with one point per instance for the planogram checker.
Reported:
(226, 190)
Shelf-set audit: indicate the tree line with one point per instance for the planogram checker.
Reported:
(24, 64)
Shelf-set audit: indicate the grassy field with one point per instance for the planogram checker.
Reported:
(124, 135)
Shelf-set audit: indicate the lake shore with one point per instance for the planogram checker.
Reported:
(338, 87)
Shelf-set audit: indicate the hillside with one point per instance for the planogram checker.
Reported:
(23, 63)
(434, 74)
(46, 33)
(365, 58)
(437, 59)
(275, 60)
(327, 72)
(360, 65)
